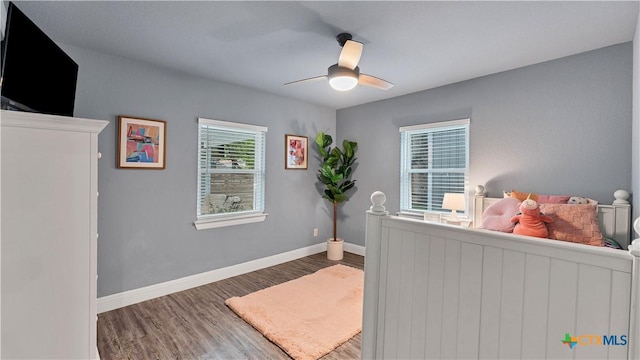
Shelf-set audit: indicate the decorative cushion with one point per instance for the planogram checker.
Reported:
(581, 200)
(541, 199)
(523, 196)
(497, 216)
(553, 199)
(574, 223)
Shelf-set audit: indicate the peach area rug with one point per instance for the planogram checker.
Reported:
(310, 316)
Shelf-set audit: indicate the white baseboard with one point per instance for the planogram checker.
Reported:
(130, 297)
(354, 249)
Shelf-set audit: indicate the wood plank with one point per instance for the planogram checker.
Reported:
(536, 300)
(419, 304)
(406, 301)
(451, 296)
(435, 300)
(561, 250)
(512, 300)
(491, 303)
(594, 296)
(374, 234)
(563, 289)
(195, 323)
(619, 319)
(470, 298)
(392, 296)
(382, 293)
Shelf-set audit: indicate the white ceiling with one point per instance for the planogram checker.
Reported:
(262, 45)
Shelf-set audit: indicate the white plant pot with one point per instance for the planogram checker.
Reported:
(335, 249)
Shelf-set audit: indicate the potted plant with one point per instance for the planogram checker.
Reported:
(335, 176)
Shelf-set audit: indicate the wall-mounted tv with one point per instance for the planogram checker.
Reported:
(37, 76)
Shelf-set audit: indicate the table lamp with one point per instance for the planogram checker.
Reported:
(453, 202)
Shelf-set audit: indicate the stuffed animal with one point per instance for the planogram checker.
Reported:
(530, 221)
(577, 200)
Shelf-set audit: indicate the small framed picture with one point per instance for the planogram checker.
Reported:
(296, 152)
(141, 143)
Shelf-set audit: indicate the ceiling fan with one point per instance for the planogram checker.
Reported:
(345, 75)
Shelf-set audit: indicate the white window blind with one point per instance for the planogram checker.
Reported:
(231, 171)
(434, 160)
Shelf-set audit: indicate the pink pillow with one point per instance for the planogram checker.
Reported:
(541, 199)
(574, 223)
(553, 199)
(497, 216)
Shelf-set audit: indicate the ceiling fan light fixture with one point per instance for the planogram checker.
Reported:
(343, 79)
(343, 83)
(345, 75)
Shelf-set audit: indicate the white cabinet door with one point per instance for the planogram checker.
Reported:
(48, 242)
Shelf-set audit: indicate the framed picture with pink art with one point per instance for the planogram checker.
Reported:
(296, 152)
(141, 143)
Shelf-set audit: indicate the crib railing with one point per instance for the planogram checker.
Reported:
(442, 291)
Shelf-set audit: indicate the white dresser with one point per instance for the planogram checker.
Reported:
(49, 197)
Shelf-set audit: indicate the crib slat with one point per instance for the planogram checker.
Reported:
(619, 321)
(451, 295)
(394, 274)
(435, 301)
(385, 235)
(536, 299)
(592, 310)
(512, 299)
(405, 299)
(562, 313)
(420, 284)
(490, 312)
(406, 294)
(470, 297)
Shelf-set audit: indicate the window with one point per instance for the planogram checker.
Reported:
(434, 160)
(230, 173)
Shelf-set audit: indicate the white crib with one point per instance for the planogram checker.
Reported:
(439, 291)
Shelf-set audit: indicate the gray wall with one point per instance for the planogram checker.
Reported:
(562, 126)
(145, 217)
(559, 127)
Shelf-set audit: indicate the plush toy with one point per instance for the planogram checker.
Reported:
(577, 200)
(530, 221)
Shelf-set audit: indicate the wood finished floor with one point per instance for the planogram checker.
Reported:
(196, 324)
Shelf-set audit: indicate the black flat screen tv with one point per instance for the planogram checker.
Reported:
(37, 76)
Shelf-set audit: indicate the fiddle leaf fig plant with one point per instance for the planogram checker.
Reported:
(335, 171)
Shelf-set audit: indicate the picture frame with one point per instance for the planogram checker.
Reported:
(296, 152)
(141, 143)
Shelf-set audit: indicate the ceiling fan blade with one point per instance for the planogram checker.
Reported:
(322, 77)
(350, 54)
(372, 81)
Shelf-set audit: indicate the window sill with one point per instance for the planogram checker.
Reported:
(216, 222)
(431, 215)
(416, 214)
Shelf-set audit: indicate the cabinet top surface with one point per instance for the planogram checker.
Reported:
(46, 121)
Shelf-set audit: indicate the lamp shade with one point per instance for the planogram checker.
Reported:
(343, 79)
(452, 201)
(343, 83)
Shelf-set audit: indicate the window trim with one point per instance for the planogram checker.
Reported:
(211, 221)
(441, 126)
